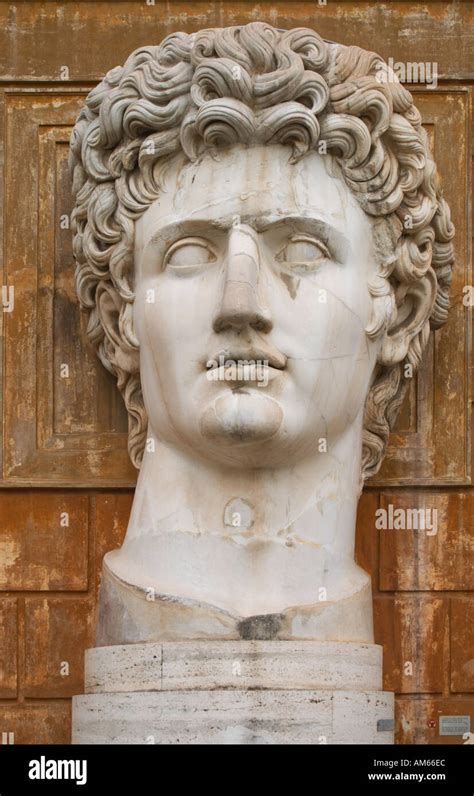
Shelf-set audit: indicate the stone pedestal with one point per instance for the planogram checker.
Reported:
(217, 692)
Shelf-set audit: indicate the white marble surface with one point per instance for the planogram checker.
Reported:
(233, 716)
(205, 665)
(234, 692)
(247, 496)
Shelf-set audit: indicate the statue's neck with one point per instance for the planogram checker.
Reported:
(312, 502)
(249, 541)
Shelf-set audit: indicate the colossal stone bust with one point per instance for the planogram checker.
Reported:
(262, 247)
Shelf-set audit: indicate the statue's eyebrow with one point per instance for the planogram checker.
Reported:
(334, 239)
(186, 226)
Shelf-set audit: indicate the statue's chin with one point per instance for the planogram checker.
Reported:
(241, 417)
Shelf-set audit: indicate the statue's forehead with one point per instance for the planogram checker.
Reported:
(251, 181)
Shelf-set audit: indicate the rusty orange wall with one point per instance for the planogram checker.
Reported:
(47, 609)
(423, 589)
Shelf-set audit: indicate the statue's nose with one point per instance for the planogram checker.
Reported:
(240, 305)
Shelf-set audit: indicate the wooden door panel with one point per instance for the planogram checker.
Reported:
(431, 441)
(65, 422)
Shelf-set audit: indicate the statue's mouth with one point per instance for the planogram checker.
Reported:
(254, 356)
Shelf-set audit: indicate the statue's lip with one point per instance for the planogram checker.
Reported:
(259, 354)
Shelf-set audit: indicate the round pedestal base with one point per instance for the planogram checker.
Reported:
(217, 692)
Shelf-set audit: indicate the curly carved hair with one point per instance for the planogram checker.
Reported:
(247, 84)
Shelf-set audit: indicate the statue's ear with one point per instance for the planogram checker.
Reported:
(413, 313)
(110, 309)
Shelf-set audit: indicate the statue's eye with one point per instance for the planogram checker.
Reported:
(188, 253)
(303, 250)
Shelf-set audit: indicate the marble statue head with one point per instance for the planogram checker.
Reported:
(261, 242)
